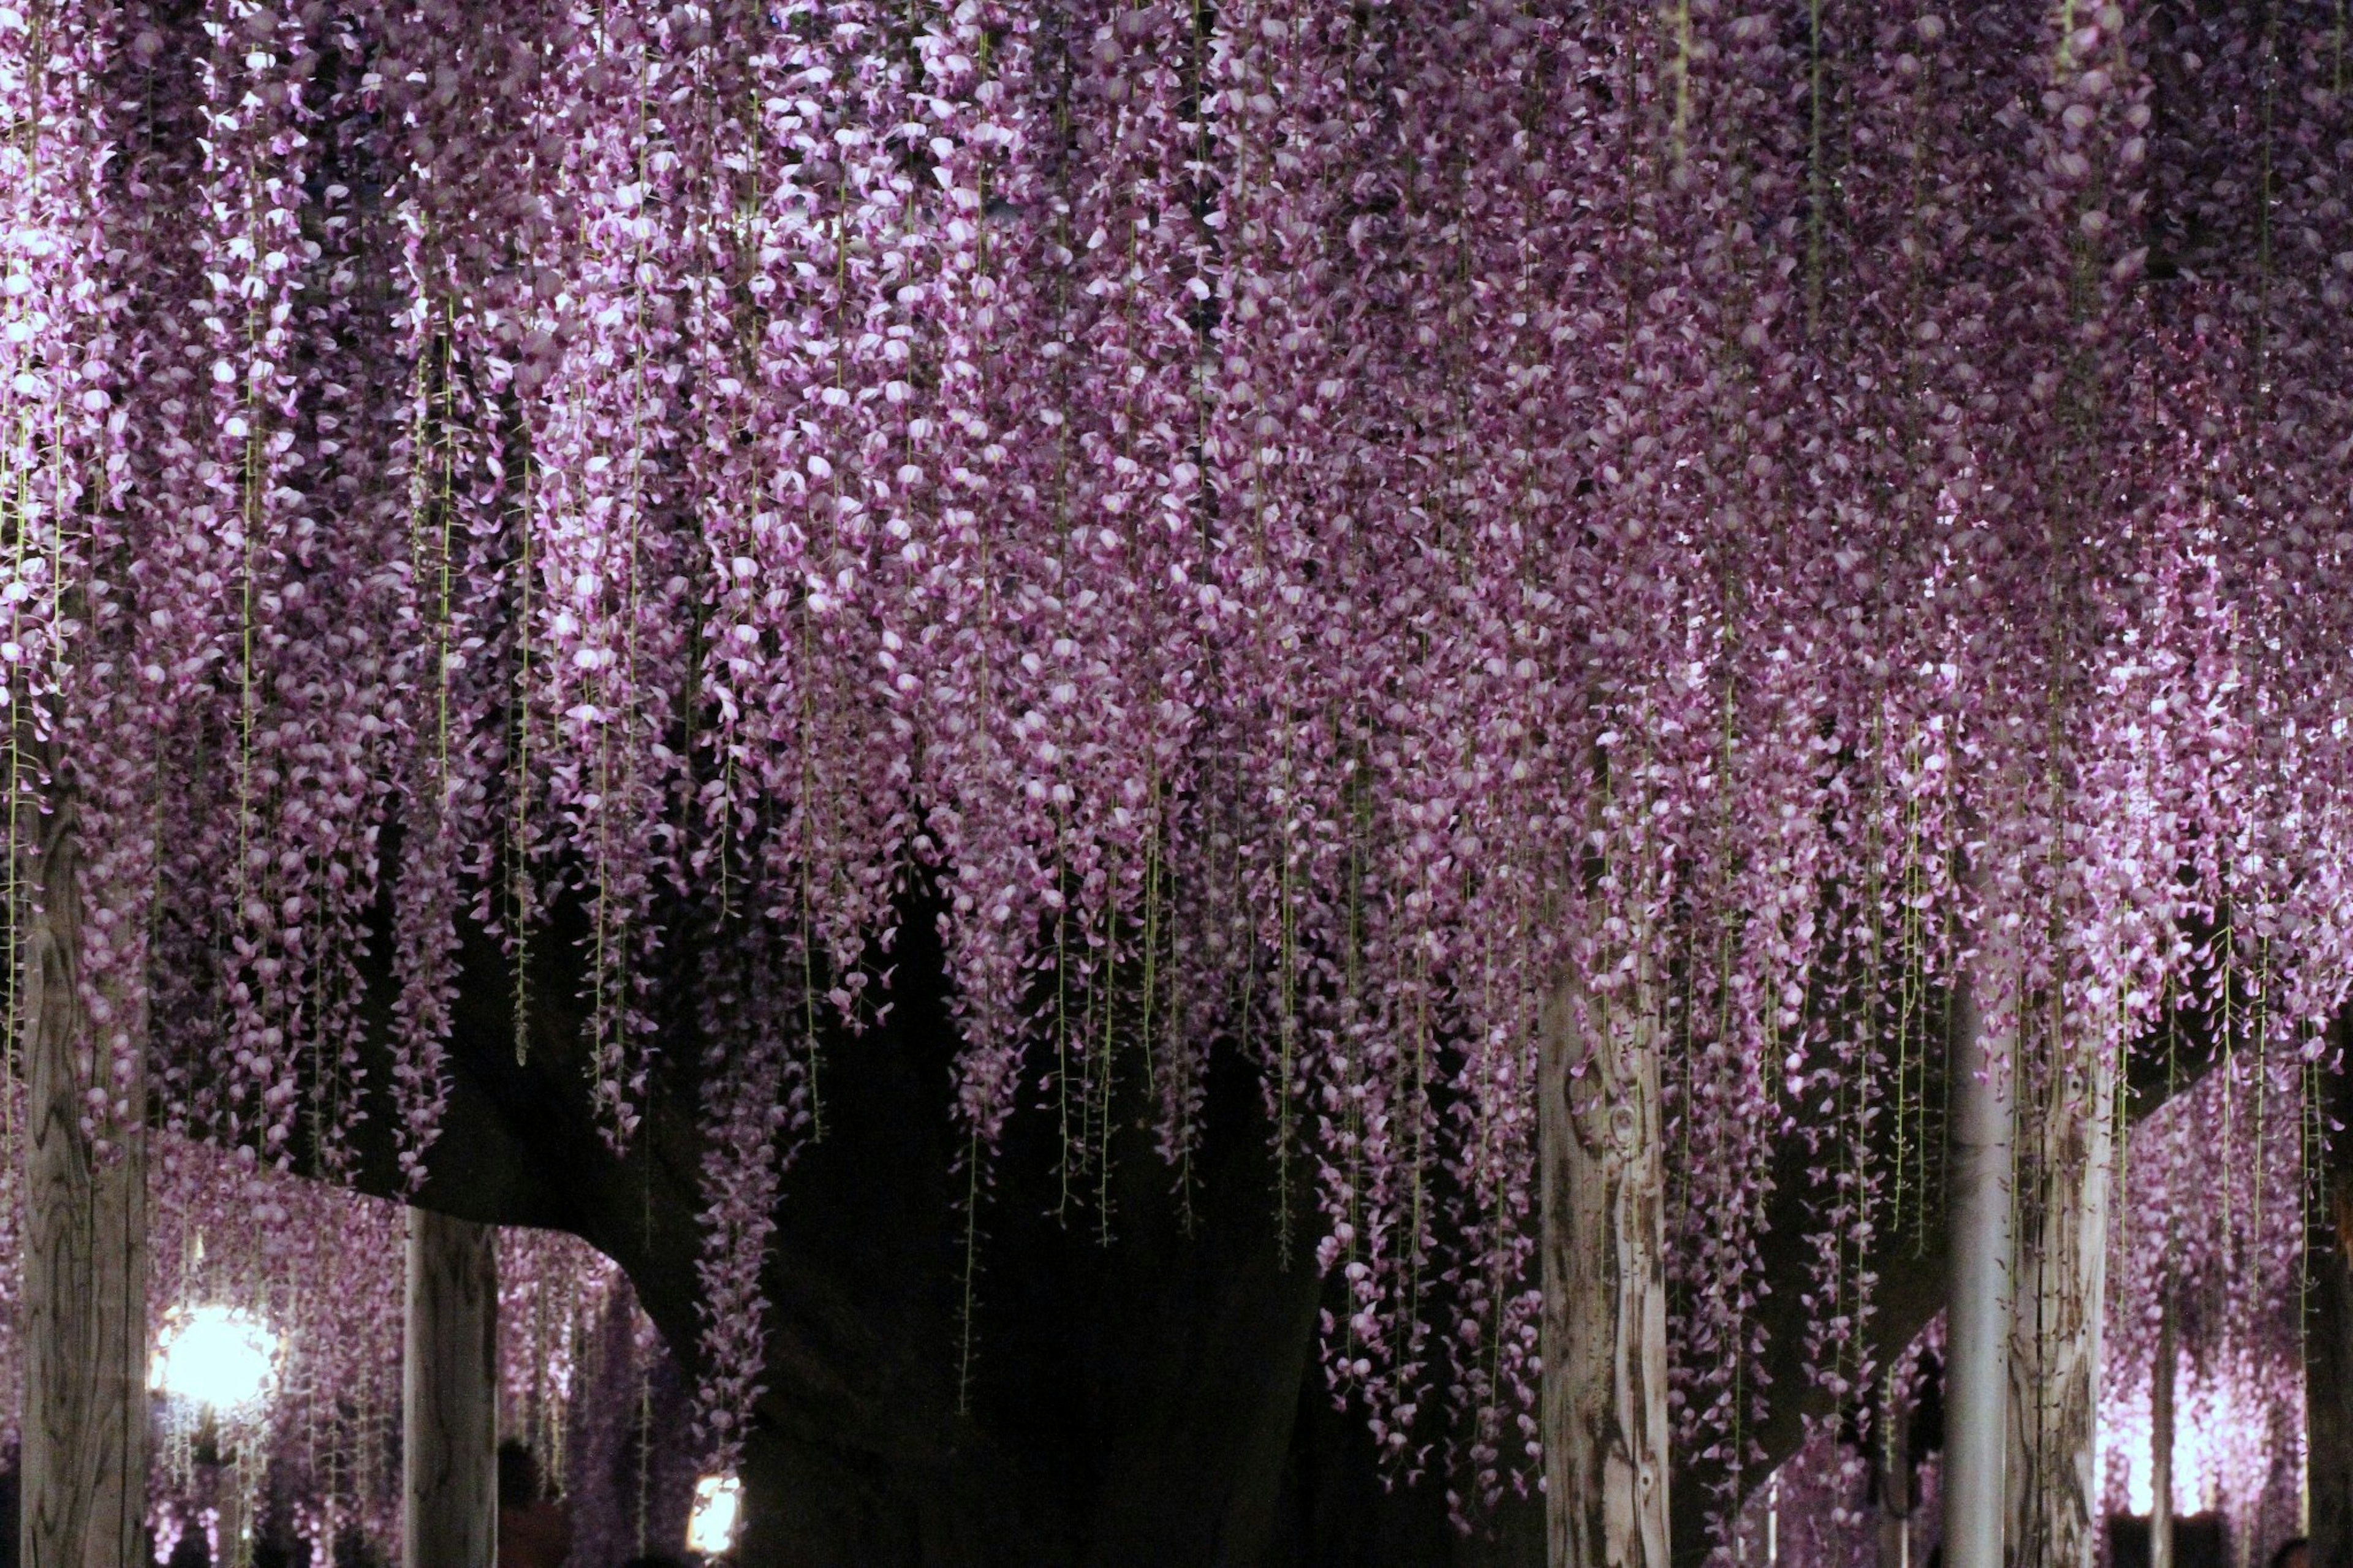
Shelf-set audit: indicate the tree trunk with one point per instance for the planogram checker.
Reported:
(2328, 1393)
(84, 1457)
(2160, 1439)
(1604, 1392)
(1976, 1371)
(450, 1370)
(2061, 1305)
(1894, 1473)
(2328, 1340)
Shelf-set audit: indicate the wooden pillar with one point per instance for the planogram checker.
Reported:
(1604, 1392)
(2328, 1336)
(2160, 1437)
(84, 1456)
(448, 1385)
(1977, 1364)
(2062, 1271)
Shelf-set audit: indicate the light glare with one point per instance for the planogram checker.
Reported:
(221, 1358)
(710, 1527)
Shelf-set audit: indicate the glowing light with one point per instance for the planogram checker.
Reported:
(2221, 1415)
(718, 1504)
(221, 1358)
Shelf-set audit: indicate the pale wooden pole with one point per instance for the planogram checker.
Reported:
(84, 1328)
(1604, 1390)
(1977, 1364)
(449, 1428)
(2160, 1439)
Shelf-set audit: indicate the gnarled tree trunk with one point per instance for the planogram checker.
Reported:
(1605, 1317)
(84, 1457)
(2066, 1175)
(449, 1384)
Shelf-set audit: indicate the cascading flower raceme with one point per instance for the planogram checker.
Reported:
(456, 478)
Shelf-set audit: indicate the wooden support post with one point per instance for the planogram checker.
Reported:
(1977, 1365)
(84, 1456)
(1604, 1392)
(448, 1383)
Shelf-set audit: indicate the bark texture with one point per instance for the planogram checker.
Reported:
(2328, 1342)
(84, 1459)
(1604, 1417)
(2067, 1173)
(1978, 1364)
(450, 1411)
(1894, 1457)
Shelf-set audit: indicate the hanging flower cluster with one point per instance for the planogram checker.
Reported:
(1292, 528)
(2214, 1211)
(631, 1461)
(1834, 1502)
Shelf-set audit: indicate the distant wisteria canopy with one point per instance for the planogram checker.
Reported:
(321, 1271)
(1292, 527)
(2214, 1228)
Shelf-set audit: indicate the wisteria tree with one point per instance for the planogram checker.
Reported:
(1625, 608)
